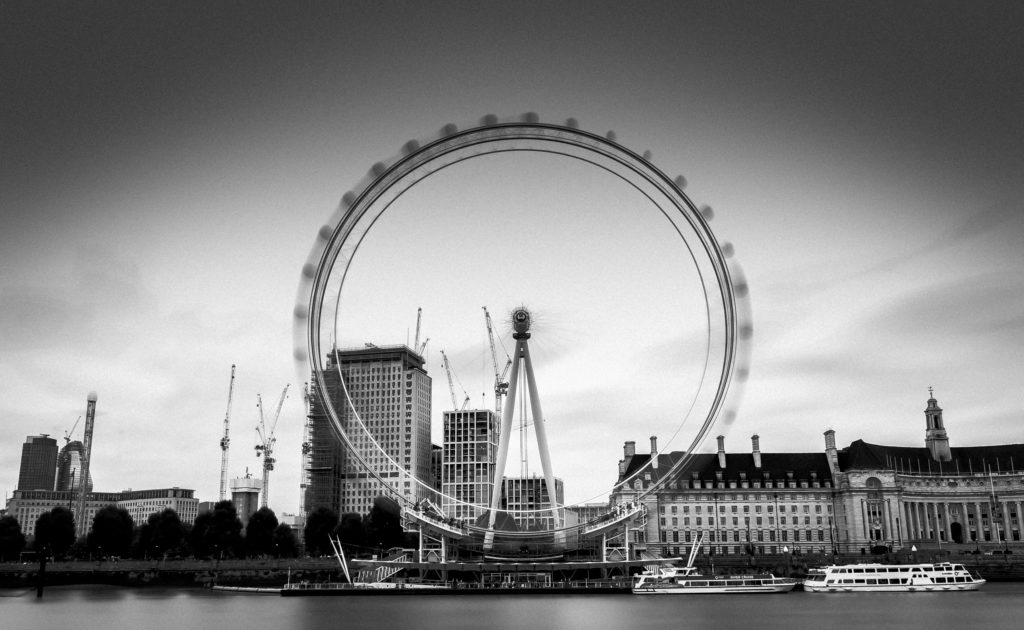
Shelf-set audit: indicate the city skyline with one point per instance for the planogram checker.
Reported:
(165, 171)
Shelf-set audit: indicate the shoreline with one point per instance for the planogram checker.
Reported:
(276, 572)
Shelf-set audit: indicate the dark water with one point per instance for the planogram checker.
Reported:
(996, 606)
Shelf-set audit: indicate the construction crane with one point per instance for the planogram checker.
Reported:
(226, 440)
(265, 447)
(500, 378)
(90, 422)
(416, 345)
(451, 387)
(68, 433)
(65, 453)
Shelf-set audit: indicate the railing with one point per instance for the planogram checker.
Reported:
(450, 526)
(383, 572)
(618, 515)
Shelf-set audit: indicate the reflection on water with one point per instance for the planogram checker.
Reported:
(87, 608)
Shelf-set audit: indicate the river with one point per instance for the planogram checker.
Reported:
(995, 606)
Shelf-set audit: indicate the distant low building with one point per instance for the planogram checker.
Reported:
(28, 505)
(141, 503)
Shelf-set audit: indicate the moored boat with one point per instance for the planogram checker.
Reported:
(688, 579)
(671, 580)
(855, 578)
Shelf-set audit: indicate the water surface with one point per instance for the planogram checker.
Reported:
(996, 606)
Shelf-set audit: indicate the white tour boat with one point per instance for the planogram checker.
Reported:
(855, 578)
(688, 579)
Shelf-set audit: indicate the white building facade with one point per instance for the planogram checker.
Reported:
(467, 469)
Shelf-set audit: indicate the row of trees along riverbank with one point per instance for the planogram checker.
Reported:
(217, 534)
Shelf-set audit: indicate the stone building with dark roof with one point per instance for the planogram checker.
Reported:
(749, 502)
(931, 496)
(841, 500)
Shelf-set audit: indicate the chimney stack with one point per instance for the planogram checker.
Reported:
(831, 454)
(654, 452)
(721, 451)
(756, 440)
(629, 449)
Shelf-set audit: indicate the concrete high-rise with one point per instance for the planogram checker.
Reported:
(38, 463)
(386, 415)
(470, 449)
(245, 494)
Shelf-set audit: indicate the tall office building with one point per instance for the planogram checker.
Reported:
(69, 467)
(388, 422)
(467, 474)
(38, 463)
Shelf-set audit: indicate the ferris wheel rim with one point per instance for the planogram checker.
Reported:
(489, 136)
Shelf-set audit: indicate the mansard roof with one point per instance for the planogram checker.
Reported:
(705, 465)
(861, 455)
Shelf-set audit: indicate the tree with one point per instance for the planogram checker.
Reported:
(221, 535)
(319, 526)
(384, 524)
(111, 533)
(285, 543)
(12, 540)
(199, 537)
(259, 532)
(55, 532)
(163, 533)
(351, 531)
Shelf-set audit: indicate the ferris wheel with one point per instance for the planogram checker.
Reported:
(726, 311)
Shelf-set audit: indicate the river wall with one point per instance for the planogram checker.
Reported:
(200, 573)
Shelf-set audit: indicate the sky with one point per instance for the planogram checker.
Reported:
(165, 168)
